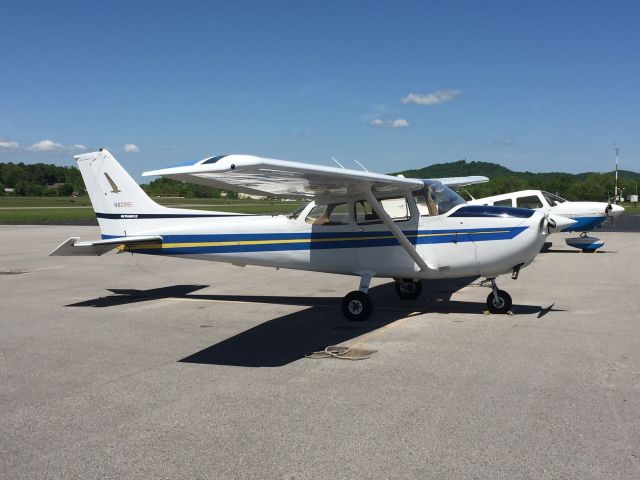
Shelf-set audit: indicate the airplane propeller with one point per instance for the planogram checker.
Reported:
(555, 222)
(608, 209)
(551, 223)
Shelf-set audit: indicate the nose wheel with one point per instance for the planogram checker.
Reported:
(498, 301)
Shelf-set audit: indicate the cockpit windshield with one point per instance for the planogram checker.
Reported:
(436, 198)
(553, 199)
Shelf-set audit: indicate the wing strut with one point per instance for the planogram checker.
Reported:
(401, 237)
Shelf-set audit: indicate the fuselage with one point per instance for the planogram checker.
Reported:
(464, 241)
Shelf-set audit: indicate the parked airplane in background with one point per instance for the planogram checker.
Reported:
(358, 223)
(587, 215)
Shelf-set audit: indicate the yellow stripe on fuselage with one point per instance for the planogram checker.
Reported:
(291, 241)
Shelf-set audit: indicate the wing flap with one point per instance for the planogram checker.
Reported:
(72, 247)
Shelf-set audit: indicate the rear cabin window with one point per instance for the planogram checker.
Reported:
(397, 208)
(329, 214)
(532, 201)
(503, 203)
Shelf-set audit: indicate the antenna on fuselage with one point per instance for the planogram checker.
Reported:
(361, 165)
(334, 159)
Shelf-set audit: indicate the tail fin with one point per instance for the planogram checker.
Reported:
(116, 197)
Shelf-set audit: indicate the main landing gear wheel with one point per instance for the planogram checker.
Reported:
(500, 302)
(357, 306)
(408, 289)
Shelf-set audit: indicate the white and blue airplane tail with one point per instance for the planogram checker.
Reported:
(117, 199)
(126, 215)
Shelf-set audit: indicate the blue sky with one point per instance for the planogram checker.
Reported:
(543, 86)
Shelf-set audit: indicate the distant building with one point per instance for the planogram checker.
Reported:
(253, 197)
(9, 190)
(55, 186)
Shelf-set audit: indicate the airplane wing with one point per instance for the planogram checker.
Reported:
(457, 182)
(265, 176)
(72, 247)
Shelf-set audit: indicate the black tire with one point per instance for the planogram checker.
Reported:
(409, 289)
(500, 305)
(357, 306)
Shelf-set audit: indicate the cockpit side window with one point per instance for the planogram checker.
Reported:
(436, 198)
(530, 201)
(425, 203)
(503, 203)
(329, 214)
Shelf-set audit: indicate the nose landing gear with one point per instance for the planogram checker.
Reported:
(498, 301)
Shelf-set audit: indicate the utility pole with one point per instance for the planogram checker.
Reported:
(615, 194)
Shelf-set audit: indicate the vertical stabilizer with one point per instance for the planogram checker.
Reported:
(116, 197)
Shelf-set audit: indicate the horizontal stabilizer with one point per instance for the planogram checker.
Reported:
(72, 247)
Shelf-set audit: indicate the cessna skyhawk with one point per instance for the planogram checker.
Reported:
(356, 223)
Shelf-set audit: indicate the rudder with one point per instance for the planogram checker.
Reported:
(116, 197)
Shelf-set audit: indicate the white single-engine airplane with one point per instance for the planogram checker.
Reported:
(587, 215)
(357, 223)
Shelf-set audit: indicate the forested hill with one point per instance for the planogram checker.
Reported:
(47, 179)
(582, 186)
(461, 168)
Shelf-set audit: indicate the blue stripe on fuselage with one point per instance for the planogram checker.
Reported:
(320, 240)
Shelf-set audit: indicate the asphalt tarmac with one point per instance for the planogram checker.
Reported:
(127, 366)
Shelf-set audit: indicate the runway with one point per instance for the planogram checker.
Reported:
(131, 366)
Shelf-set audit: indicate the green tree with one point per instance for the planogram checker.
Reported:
(65, 190)
(13, 174)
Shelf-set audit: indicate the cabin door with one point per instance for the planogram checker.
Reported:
(377, 249)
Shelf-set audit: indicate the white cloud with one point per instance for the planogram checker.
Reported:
(397, 123)
(46, 146)
(131, 148)
(8, 145)
(433, 98)
(43, 146)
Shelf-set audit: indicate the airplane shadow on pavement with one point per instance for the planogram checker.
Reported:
(288, 338)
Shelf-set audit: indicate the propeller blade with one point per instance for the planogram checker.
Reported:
(551, 223)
